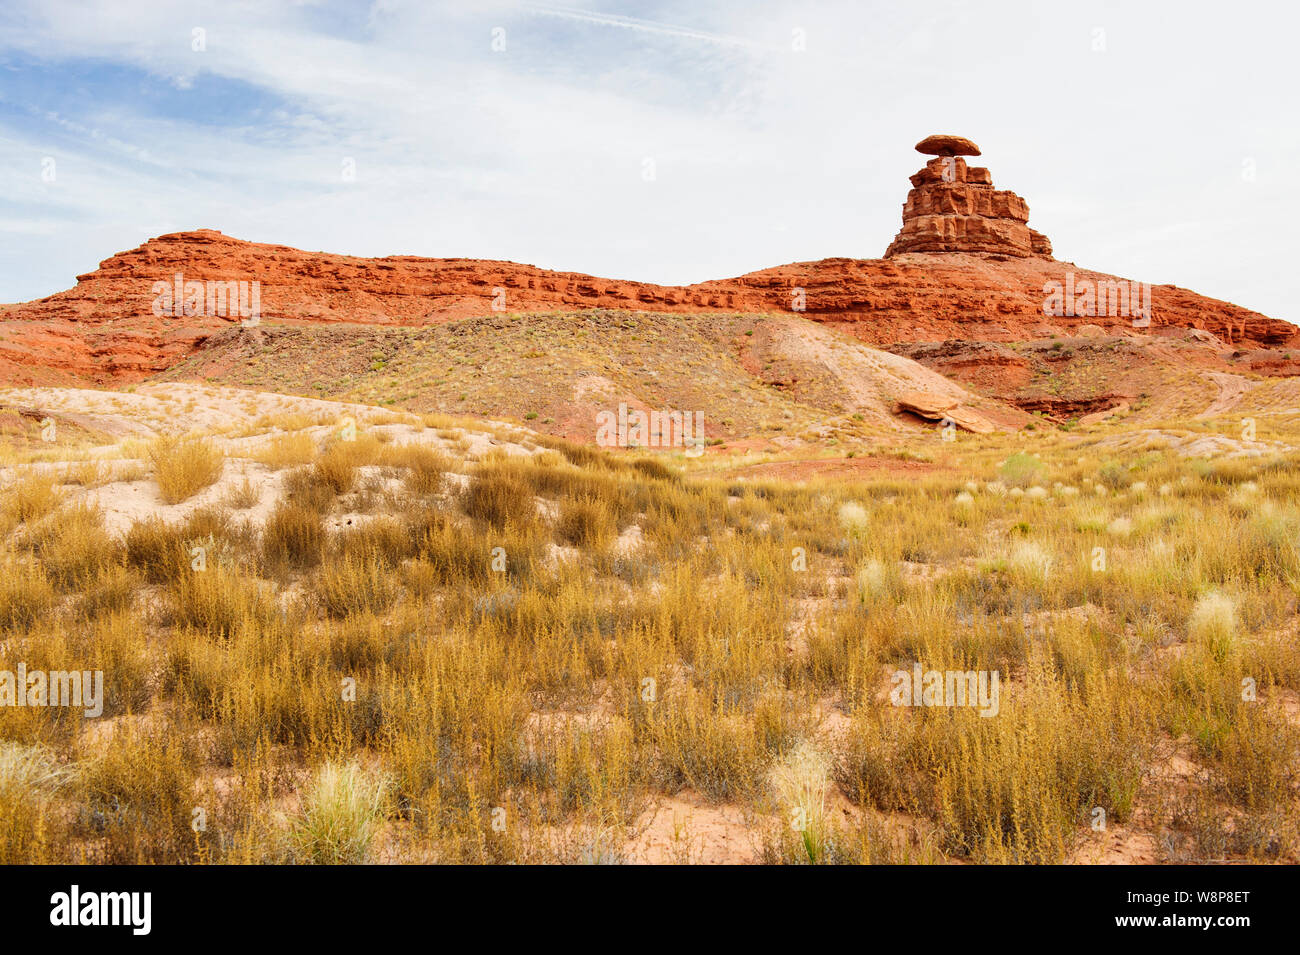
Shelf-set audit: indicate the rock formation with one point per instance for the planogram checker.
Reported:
(943, 144)
(953, 207)
(104, 330)
(938, 283)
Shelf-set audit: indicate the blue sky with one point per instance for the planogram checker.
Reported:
(1152, 140)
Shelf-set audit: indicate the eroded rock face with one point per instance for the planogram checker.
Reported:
(953, 207)
(105, 330)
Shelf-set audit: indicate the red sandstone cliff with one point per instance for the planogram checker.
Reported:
(965, 266)
(104, 329)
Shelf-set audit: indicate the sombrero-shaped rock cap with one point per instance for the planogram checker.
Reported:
(943, 145)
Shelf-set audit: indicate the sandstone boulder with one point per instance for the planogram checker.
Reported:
(926, 404)
(933, 407)
(945, 145)
(970, 420)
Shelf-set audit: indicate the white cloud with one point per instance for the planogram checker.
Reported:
(763, 154)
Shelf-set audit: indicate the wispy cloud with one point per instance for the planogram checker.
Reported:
(674, 143)
(643, 26)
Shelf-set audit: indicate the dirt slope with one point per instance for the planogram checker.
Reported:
(769, 378)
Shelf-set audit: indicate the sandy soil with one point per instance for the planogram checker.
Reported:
(1232, 388)
(240, 423)
(687, 828)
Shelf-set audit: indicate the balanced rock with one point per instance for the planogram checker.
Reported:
(953, 207)
(945, 145)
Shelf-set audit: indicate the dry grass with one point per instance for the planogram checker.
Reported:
(801, 781)
(25, 594)
(73, 545)
(424, 468)
(499, 499)
(242, 496)
(30, 776)
(184, 466)
(341, 812)
(218, 602)
(585, 522)
(1213, 624)
(288, 450)
(30, 499)
(404, 664)
(353, 584)
(157, 549)
(294, 536)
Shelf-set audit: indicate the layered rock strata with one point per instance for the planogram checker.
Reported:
(953, 207)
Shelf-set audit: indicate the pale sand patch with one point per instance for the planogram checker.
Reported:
(687, 828)
(154, 410)
(349, 520)
(126, 503)
(181, 408)
(557, 554)
(803, 624)
(1288, 701)
(178, 408)
(1117, 844)
(628, 542)
(1186, 444)
(833, 725)
(1232, 388)
(871, 379)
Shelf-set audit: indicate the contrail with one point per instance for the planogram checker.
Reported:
(644, 26)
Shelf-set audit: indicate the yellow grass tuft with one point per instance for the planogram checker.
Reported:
(184, 466)
(1213, 624)
(341, 812)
